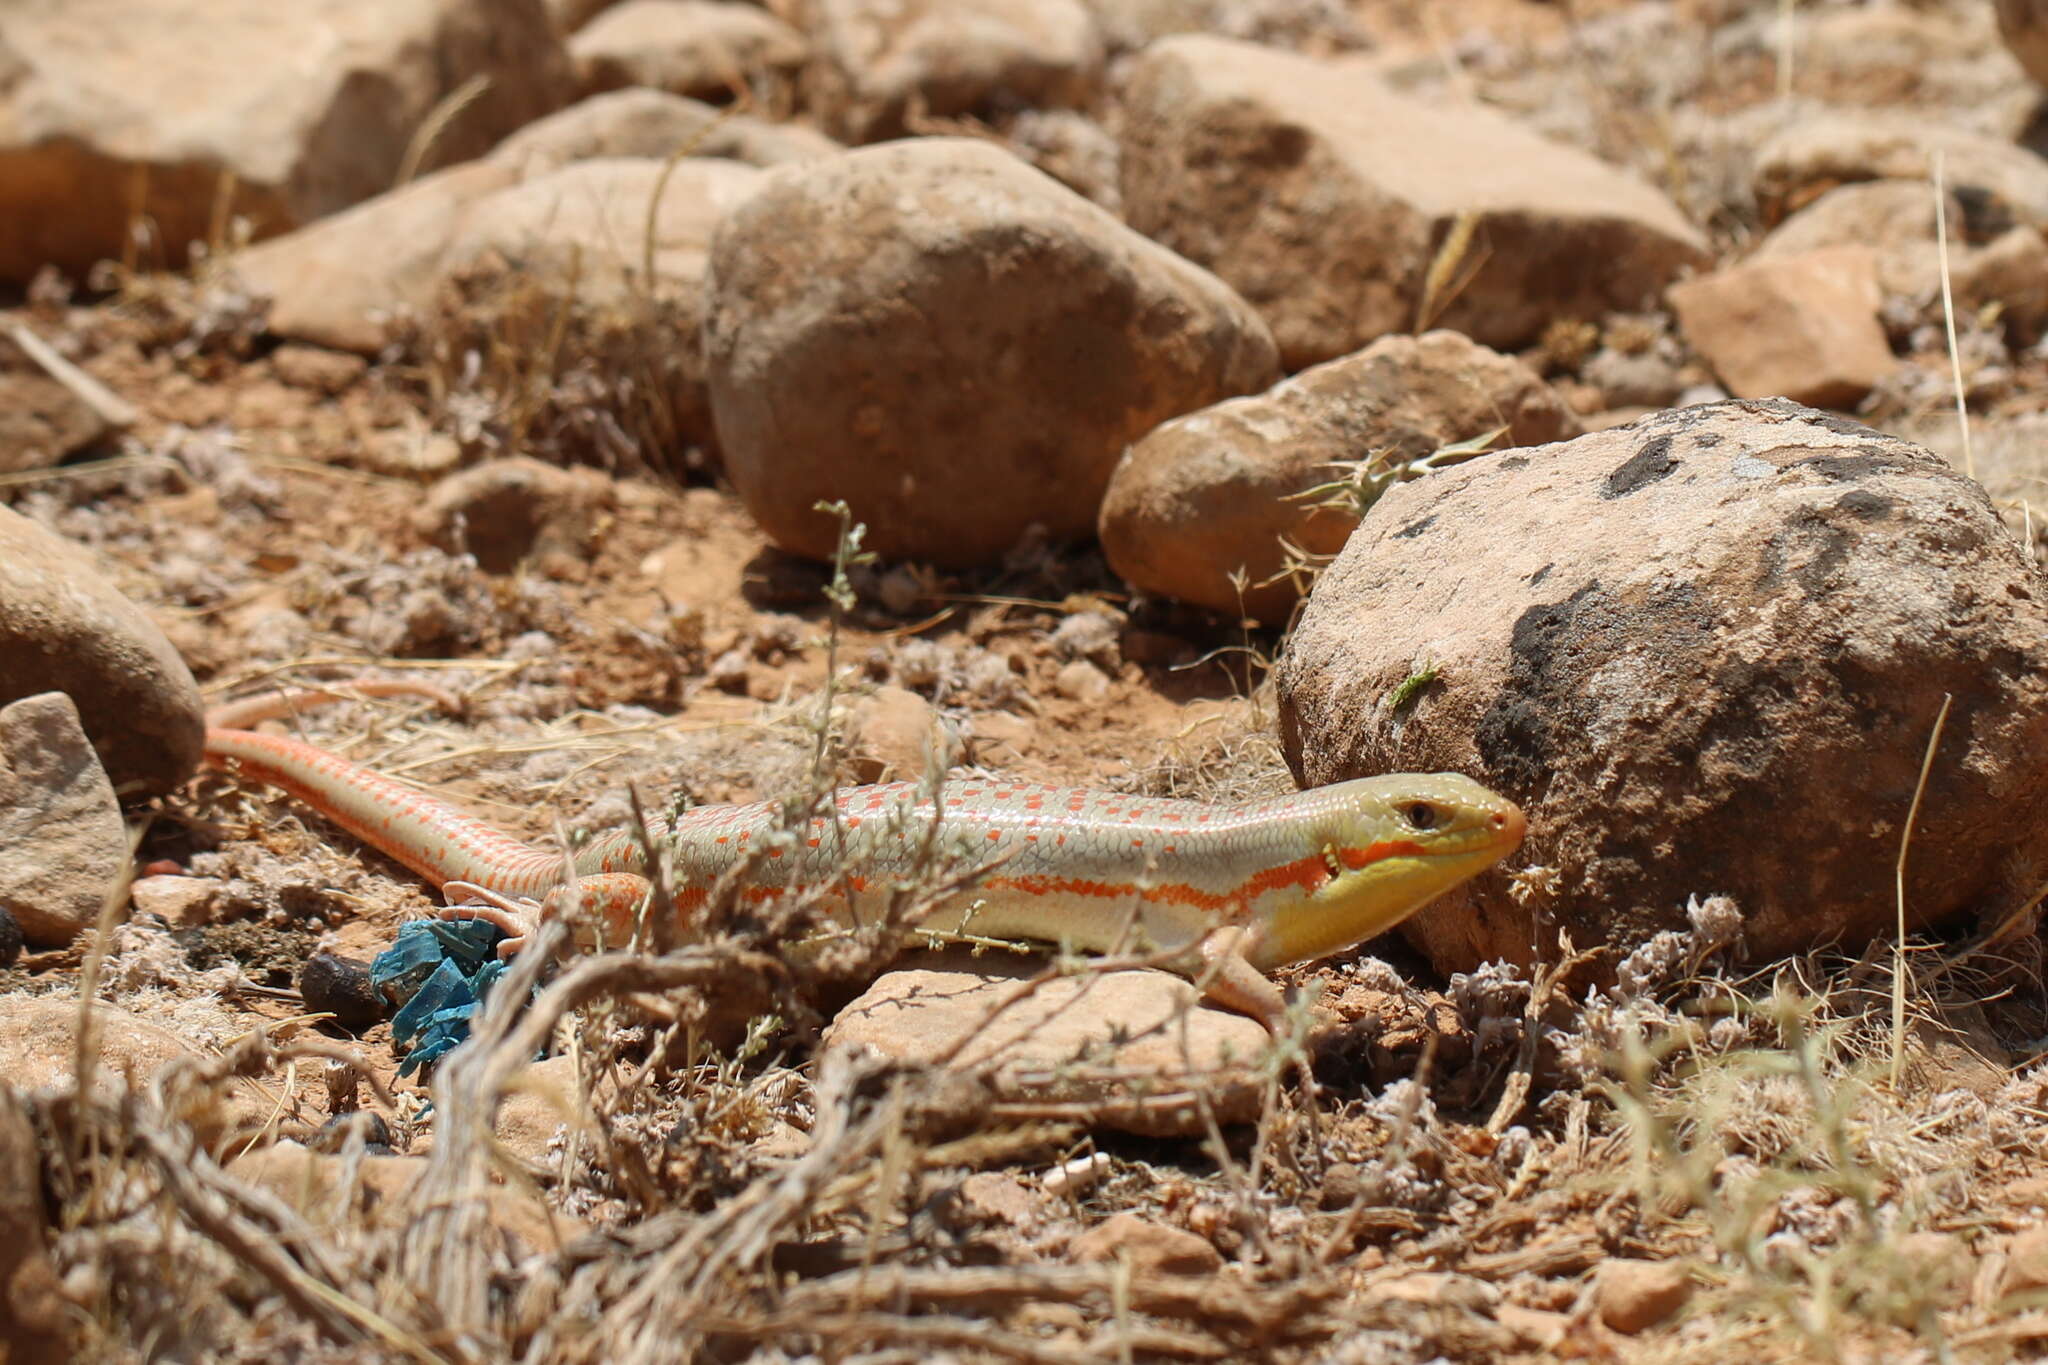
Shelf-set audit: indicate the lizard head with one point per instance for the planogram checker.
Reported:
(1384, 847)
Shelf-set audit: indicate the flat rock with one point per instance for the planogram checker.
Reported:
(1057, 1053)
(1705, 652)
(64, 627)
(1215, 491)
(38, 1046)
(893, 327)
(585, 227)
(302, 109)
(1150, 1248)
(656, 124)
(1998, 182)
(346, 280)
(338, 1189)
(1323, 197)
(1802, 327)
(877, 59)
(705, 49)
(1894, 218)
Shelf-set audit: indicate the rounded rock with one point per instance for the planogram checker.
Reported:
(340, 986)
(65, 627)
(1197, 510)
(954, 344)
(1705, 654)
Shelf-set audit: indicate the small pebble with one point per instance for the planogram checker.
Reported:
(334, 1134)
(1081, 681)
(341, 986)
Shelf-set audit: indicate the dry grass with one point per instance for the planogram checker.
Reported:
(1743, 1127)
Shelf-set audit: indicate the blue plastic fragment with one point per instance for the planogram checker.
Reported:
(442, 971)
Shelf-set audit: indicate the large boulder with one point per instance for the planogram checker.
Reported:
(1199, 508)
(953, 343)
(65, 627)
(1706, 654)
(1324, 197)
(114, 112)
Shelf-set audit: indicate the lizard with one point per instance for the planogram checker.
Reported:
(1240, 889)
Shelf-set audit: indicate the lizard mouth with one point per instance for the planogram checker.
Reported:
(1373, 888)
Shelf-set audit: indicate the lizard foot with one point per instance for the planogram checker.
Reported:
(517, 916)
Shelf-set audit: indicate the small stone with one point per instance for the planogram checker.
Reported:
(731, 672)
(1152, 1248)
(330, 984)
(66, 846)
(1439, 1289)
(317, 368)
(1538, 1328)
(179, 901)
(1001, 740)
(1081, 681)
(510, 510)
(1942, 1261)
(344, 280)
(334, 1135)
(1800, 327)
(1092, 635)
(121, 111)
(896, 736)
(1342, 1184)
(1633, 1296)
(999, 1197)
(2026, 1260)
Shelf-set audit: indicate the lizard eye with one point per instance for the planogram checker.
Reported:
(1422, 815)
